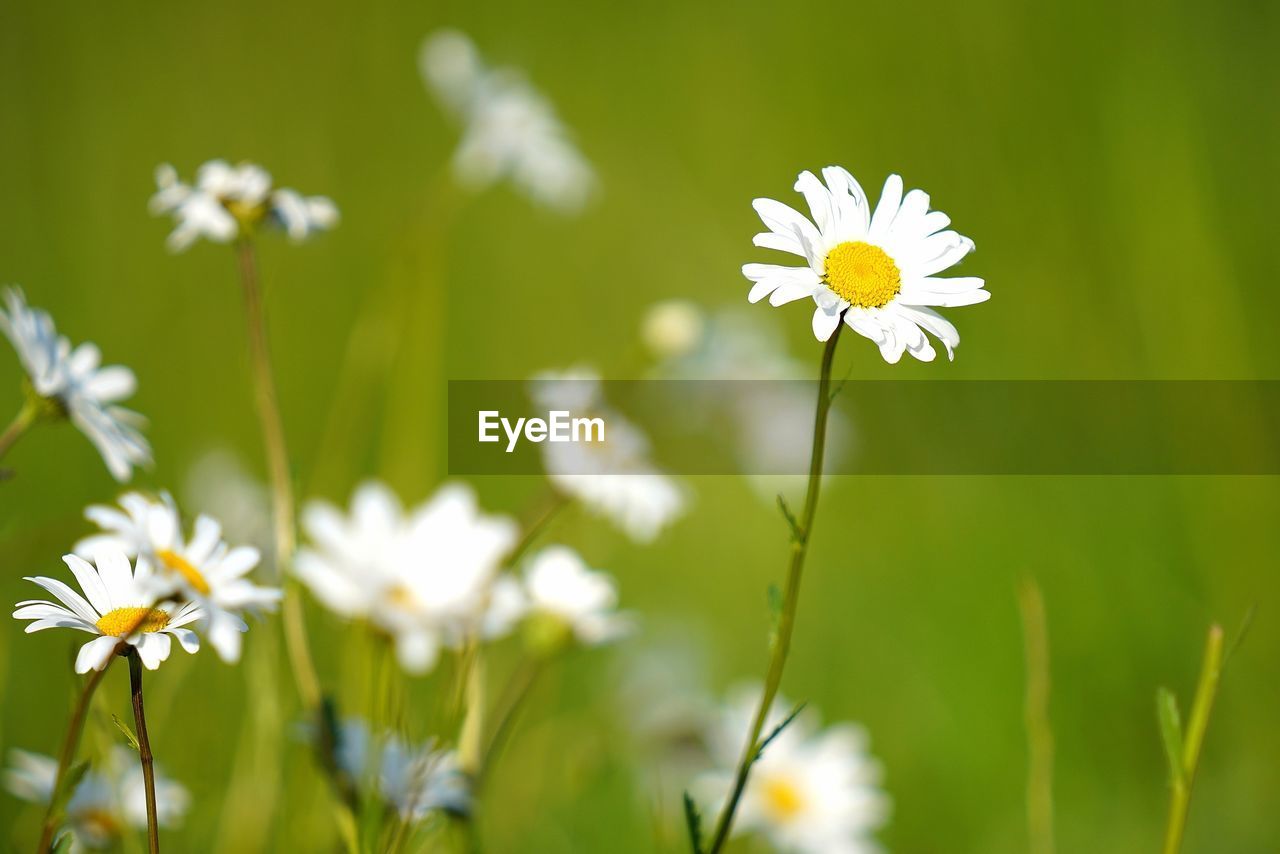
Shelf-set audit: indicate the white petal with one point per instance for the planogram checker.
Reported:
(824, 323)
(95, 654)
(886, 209)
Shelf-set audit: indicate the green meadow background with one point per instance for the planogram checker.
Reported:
(1115, 164)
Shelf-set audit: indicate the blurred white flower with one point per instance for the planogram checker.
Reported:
(877, 271)
(228, 201)
(672, 328)
(414, 780)
(108, 799)
(119, 602)
(218, 483)
(72, 383)
(424, 577)
(203, 568)
(613, 478)
(561, 589)
(509, 130)
(811, 791)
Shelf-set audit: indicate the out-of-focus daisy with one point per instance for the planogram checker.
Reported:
(509, 130)
(227, 202)
(879, 271)
(202, 568)
(424, 577)
(118, 603)
(109, 798)
(67, 382)
(568, 598)
(219, 484)
(811, 791)
(672, 328)
(613, 478)
(414, 780)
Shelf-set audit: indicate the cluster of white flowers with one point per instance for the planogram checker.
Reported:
(811, 791)
(876, 271)
(431, 577)
(509, 129)
(413, 780)
(613, 478)
(172, 583)
(227, 202)
(107, 800)
(71, 382)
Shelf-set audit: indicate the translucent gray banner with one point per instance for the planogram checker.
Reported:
(878, 427)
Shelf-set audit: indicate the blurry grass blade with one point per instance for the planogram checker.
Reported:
(774, 595)
(693, 821)
(69, 783)
(1170, 732)
(777, 731)
(125, 731)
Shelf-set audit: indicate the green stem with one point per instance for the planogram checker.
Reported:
(268, 406)
(20, 424)
(144, 751)
(70, 743)
(787, 619)
(1201, 708)
(1036, 718)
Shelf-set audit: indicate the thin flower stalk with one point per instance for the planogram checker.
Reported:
(20, 424)
(144, 752)
(802, 530)
(1036, 717)
(268, 407)
(1193, 741)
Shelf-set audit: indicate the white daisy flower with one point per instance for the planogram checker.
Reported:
(613, 478)
(202, 568)
(879, 271)
(811, 791)
(72, 383)
(227, 202)
(109, 798)
(561, 589)
(510, 131)
(118, 603)
(414, 780)
(424, 577)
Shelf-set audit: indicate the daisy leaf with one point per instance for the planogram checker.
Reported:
(1170, 732)
(62, 845)
(693, 821)
(792, 523)
(126, 732)
(777, 731)
(62, 794)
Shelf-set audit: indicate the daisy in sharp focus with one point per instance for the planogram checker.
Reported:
(109, 799)
(118, 604)
(811, 791)
(67, 382)
(878, 271)
(228, 202)
(613, 478)
(425, 577)
(202, 568)
(509, 130)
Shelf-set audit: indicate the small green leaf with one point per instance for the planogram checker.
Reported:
(777, 731)
(1170, 732)
(693, 821)
(126, 732)
(796, 534)
(62, 844)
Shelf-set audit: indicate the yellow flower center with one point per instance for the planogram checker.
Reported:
(183, 567)
(782, 798)
(863, 274)
(99, 824)
(120, 622)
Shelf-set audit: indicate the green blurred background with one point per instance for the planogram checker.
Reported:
(1115, 164)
